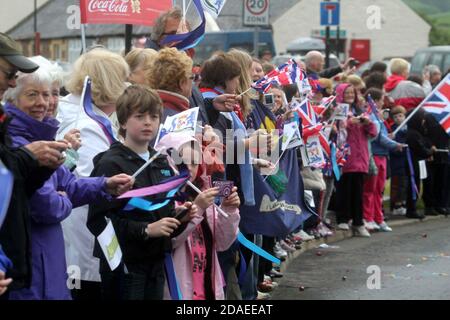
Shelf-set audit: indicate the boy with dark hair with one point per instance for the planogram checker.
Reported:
(399, 165)
(144, 237)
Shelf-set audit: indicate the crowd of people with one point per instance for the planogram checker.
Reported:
(71, 163)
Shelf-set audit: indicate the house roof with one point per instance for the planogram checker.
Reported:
(232, 15)
(52, 21)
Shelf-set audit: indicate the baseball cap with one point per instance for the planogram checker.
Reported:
(11, 52)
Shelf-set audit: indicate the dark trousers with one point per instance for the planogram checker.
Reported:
(144, 282)
(90, 290)
(112, 284)
(447, 192)
(349, 193)
(436, 185)
(265, 265)
(399, 190)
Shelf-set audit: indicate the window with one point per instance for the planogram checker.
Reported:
(446, 65)
(116, 44)
(418, 63)
(436, 59)
(56, 52)
(75, 48)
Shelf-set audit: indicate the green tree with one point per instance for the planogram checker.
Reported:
(438, 35)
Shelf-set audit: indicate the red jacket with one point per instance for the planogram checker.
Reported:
(405, 93)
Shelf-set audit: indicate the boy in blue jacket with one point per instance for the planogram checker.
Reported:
(399, 176)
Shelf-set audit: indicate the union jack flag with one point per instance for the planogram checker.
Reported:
(438, 103)
(324, 105)
(372, 107)
(310, 124)
(306, 112)
(288, 73)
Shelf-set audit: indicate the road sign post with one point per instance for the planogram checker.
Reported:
(329, 16)
(256, 14)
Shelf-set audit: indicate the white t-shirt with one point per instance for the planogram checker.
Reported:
(145, 156)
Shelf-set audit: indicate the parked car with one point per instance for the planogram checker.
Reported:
(438, 55)
(367, 65)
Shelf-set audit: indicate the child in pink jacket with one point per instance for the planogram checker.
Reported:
(349, 189)
(194, 251)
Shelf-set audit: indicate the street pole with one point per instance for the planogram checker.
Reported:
(327, 45)
(256, 42)
(128, 37)
(37, 36)
(338, 31)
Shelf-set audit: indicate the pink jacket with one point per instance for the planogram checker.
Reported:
(225, 231)
(357, 138)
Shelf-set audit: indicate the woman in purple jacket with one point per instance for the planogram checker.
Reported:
(28, 104)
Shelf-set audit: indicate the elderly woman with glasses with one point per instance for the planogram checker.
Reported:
(28, 105)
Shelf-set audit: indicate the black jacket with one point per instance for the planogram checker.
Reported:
(327, 73)
(415, 138)
(130, 226)
(437, 137)
(15, 232)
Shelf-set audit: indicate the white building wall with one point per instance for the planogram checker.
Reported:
(402, 30)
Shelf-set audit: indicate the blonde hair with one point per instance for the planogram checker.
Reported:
(245, 80)
(140, 57)
(354, 80)
(399, 66)
(169, 67)
(397, 110)
(108, 72)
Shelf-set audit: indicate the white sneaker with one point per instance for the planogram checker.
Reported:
(269, 279)
(343, 226)
(399, 211)
(361, 232)
(372, 226)
(384, 227)
(279, 252)
(286, 247)
(324, 231)
(263, 296)
(304, 236)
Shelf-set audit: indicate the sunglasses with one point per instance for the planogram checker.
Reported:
(10, 75)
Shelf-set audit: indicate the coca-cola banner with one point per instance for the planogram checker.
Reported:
(139, 12)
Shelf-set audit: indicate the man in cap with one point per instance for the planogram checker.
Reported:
(30, 165)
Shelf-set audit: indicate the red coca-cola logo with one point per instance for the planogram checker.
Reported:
(109, 6)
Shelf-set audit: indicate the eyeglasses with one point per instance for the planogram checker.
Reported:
(10, 75)
(171, 33)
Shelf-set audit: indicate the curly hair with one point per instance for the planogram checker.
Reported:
(160, 23)
(169, 67)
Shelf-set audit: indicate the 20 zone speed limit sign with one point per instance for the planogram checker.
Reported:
(256, 12)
